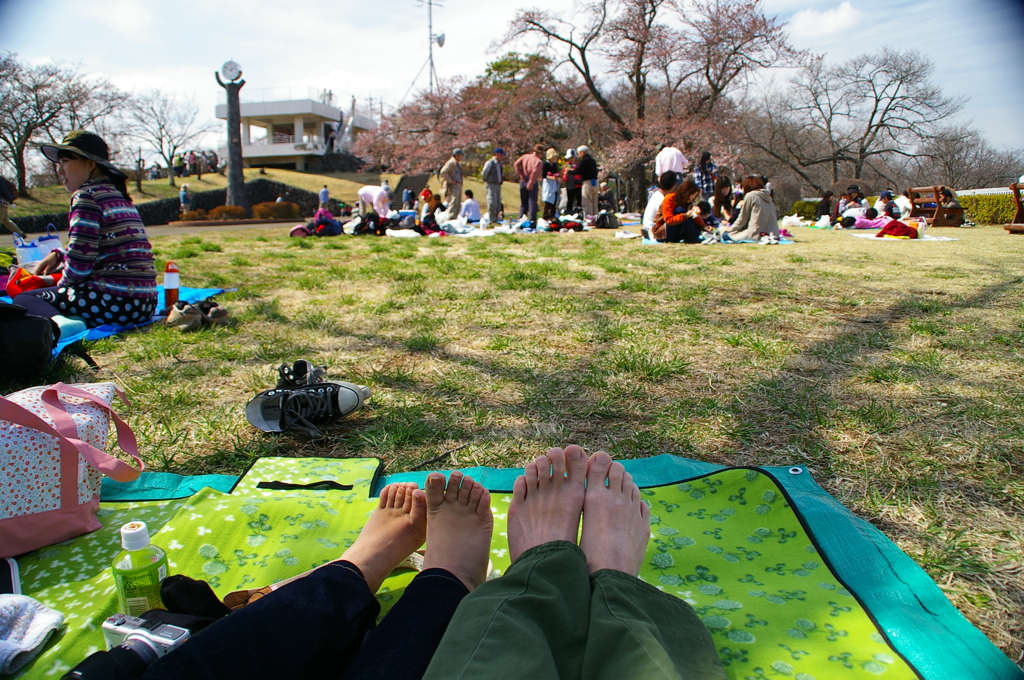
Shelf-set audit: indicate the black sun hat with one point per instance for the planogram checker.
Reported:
(85, 144)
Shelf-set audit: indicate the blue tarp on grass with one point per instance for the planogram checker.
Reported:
(186, 294)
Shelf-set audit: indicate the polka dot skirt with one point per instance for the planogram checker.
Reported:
(100, 309)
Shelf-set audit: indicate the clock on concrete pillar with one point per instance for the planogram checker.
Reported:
(231, 70)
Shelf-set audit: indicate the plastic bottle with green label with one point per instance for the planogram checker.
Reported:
(138, 571)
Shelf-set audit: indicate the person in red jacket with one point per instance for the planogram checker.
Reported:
(681, 214)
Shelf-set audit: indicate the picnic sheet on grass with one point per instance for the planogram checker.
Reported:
(790, 584)
(105, 331)
(925, 237)
(782, 242)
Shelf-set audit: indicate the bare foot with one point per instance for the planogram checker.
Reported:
(459, 527)
(397, 527)
(616, 523)
(547, 500)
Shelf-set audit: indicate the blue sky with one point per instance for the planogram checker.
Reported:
(375, 49)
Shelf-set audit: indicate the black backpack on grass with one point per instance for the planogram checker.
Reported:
(26, 342)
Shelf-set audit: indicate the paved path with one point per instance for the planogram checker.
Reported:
(168, 230)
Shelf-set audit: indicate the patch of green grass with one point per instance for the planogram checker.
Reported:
(636, 284)
(241, 261)
(185, 252)
(642, 362)
(269, 310)
(423, 342)
(887, 373)
(765, 347)
(519, 278)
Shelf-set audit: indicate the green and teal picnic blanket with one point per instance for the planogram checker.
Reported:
(790, 583)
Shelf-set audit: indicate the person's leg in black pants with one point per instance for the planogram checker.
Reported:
(524, 199)
(35, 301)
(315, 627)
(405, 641)
(686, 231)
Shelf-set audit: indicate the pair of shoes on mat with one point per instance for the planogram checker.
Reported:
(303, 400)
(187, 317)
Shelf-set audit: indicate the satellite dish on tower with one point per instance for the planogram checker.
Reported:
(440, 40)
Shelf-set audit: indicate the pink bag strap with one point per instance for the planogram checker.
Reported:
(63, 422)
(19, 415)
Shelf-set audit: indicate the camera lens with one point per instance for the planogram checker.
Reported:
(142, 647)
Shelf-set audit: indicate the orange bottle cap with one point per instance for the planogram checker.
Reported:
(171, 268)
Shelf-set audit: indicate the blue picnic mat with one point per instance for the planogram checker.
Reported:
(184, 293)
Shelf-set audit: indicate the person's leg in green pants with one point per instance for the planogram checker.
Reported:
(637, 631)
(546, 618)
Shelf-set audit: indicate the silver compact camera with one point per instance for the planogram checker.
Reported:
(149, 638)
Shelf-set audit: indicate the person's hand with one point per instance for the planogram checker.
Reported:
(48, 264)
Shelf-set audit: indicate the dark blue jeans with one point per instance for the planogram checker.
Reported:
(528, 202)
(322, 626)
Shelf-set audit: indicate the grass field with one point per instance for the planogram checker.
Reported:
(892, 369)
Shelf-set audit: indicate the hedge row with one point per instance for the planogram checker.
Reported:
(989, 209)
(166, 209)
(805, 209)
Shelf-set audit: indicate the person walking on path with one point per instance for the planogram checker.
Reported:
(8, 194)
(184, 199)
(670, 158)
(451, 183)
(529, 167)
(493, 175)
(325, 196)
(588, 177)
(408, 199)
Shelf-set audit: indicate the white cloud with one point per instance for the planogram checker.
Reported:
(811, 23)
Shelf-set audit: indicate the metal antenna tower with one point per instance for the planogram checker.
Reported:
(439, 39)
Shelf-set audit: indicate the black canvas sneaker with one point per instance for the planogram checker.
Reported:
(304, 407)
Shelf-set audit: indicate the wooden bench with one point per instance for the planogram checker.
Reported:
(1017, 226)
(936, 216)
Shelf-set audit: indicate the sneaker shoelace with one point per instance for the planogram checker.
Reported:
(301, 407)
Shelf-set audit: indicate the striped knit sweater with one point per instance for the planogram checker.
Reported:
(108, 250)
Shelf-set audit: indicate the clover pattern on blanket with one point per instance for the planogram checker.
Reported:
(731, 546)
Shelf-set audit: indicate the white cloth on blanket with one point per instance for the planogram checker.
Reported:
(25, 626)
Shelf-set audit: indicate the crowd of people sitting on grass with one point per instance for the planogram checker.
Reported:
(561, 192)
(852, 210)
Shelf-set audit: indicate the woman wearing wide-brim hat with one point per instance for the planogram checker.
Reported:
(107, 269)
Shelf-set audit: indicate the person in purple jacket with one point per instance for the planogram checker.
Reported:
(108, 277)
